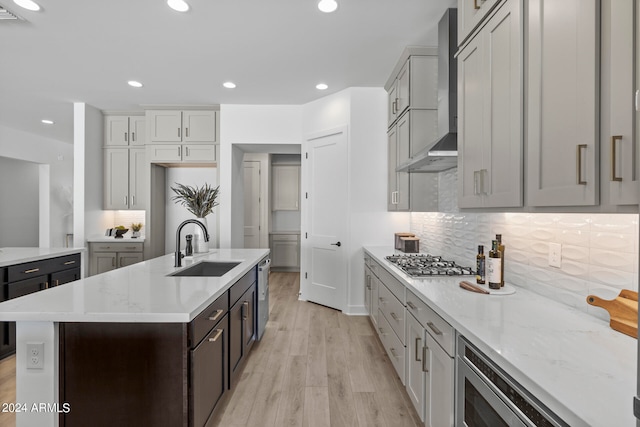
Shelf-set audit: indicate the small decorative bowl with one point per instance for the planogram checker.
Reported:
(120, 232)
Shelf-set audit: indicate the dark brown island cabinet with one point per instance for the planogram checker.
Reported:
(23, 279)
(157, 374)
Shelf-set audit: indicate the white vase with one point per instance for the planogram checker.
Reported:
(199, 244)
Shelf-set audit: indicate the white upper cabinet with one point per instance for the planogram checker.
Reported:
(124, 130)
(490, 94)
(182, 126)
(124, 180)
(562, 108)
(182, 153)
(619, 153)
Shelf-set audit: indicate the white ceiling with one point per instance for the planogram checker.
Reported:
(276, 51)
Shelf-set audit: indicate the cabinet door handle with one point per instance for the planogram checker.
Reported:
(57, 282)
(381, 331)
(382, 300)
(179, 151)
(113, 262)
(394, 106)
(69, 262)
(434, 328)
(411, 305)
(393, 353)
(33, 270)
(121, 263)
(614, 176)
(133, 200)
(126, 138)
(133, 136)
(216, 336)
(579, 149)
(218, 314)
(187, 149)
(46, 285)
(394, 316)
(424, 359)
(418, 339)
(126, 200)
(178, 132)
(245, 310)
(186, 132)
(476, 5)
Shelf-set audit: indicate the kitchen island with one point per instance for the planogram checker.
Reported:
(154, 313)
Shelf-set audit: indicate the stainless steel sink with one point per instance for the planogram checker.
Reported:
(207, 269)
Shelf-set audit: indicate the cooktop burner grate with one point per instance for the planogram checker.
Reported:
(425, 265)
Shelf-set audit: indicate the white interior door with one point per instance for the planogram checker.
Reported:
(252, 204)
(325, 245)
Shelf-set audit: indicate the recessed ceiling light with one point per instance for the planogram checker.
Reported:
(327, 6)
(47, 121)
(321, 86)
(28, 4)
(178, 5)
(229, 85)
(134, 83)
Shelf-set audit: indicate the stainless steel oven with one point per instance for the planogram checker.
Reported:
(487, 397)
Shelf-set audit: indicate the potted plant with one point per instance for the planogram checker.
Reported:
(136, 227)
(200, 201)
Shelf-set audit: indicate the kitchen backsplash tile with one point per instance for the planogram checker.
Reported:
(599, 251)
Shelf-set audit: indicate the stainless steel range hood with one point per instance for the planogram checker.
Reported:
(442, 153)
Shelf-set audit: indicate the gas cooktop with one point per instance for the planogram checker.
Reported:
(425, 265)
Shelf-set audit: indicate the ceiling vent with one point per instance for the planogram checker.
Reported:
(6, 15)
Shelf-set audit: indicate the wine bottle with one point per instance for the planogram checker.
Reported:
(494, 266)
(480, 268)
(501, 249)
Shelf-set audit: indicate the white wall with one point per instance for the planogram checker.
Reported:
(58, 156)
(19, 213)
(89, 218)
(176, 213)
(248, 124)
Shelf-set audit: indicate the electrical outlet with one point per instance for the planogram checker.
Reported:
(555, 255)
(35, 355)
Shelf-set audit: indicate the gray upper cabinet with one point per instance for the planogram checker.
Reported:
(619, 153)
(562, 108)
(200, 126)
(470, 15)
(124, 130)
(490, 104)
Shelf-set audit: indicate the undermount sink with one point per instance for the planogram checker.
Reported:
(207, 269)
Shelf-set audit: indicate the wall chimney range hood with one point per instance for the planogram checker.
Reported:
(442, 154)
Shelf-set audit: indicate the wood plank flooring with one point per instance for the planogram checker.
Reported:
(314, 367)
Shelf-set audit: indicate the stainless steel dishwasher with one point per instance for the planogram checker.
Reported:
(263, 295)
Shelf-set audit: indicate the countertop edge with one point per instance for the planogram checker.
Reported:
(24, 255)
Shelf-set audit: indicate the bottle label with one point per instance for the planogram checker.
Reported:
(494, 271)
(480, 270)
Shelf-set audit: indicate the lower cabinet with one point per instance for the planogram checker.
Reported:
(242, 321)
(285, 252)
(105, 257)
(26, 278)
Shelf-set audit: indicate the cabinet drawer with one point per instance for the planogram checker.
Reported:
(208, 319)
(392, 310)
(392, 345)
(46, 266)
(394, 285)
(438, 328)
(116, 247)
(284, 237)
(3, 276)
(241, 286)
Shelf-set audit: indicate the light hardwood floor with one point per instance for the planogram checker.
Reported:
(314, 367)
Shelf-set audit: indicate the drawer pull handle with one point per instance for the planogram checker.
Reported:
(46, 285)
(394, 316)
(130, 247)
(382, 300)
(434, 328)
(411, 305)
(381, 331)
(424, 359)
(216, 336)
(418, 339)
(57, 282)
(393, 352)
(215, 316)
(69, 262)
(33, 270)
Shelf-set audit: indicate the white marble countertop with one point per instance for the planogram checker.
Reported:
(573, 362)
(141, 292)
(12, 256)
(112, 239)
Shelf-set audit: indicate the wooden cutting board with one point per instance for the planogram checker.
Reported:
(623, 311)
